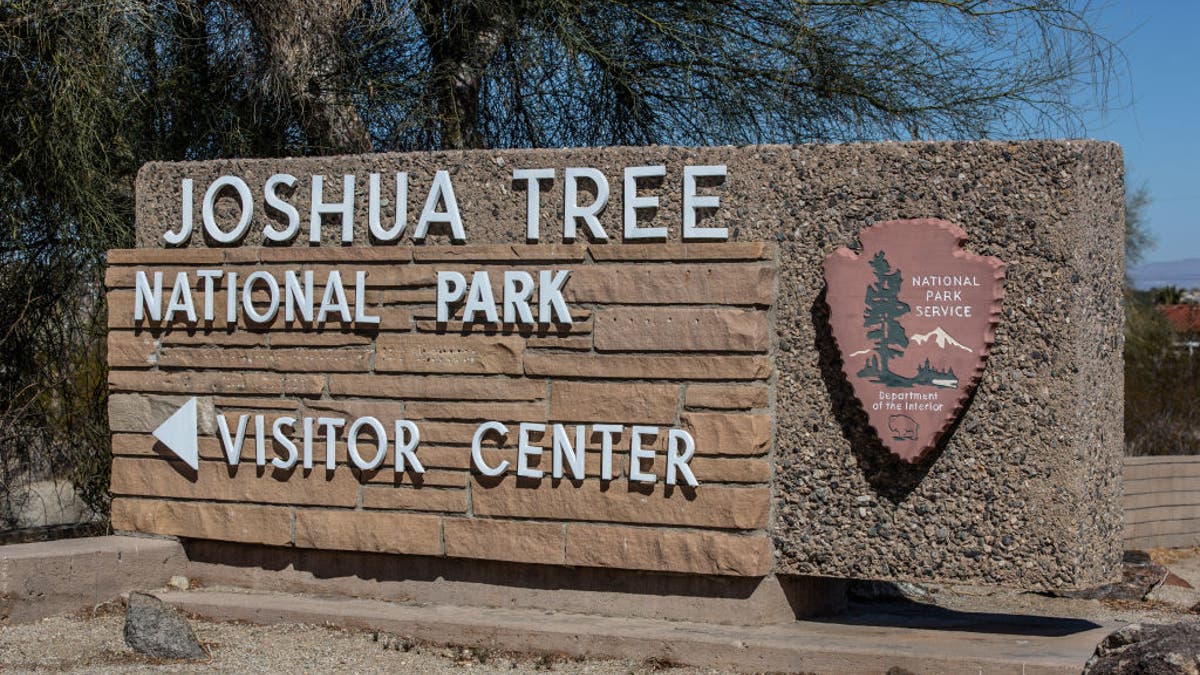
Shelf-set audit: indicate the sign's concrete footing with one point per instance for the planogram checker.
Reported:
(46, 578)
(855, 645)
(38, 580)
(481, 583)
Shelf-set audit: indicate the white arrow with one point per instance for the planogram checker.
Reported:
(178, 433)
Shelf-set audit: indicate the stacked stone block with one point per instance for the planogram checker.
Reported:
(657, 339)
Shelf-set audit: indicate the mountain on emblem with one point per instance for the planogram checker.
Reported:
(941, 338)
(919, 313)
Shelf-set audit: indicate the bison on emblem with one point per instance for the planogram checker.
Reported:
(903, 428)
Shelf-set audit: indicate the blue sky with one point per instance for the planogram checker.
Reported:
(1156, 117)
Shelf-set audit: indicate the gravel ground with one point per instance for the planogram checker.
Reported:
(93, 642)
(78, 644)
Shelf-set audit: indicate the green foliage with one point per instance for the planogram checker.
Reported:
(90, 91)
(1162, 375)
(67, 171)
(596, 72)
(1138, 239)
(1162, 386)
(1166, 295)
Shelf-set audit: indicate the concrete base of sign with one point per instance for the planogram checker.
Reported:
(46, 578)
(593, 616)
(996, 644)
(475, 583)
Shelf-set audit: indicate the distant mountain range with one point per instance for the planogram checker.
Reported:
(1183, 274)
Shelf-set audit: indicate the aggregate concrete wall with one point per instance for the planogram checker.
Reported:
(1024, 492)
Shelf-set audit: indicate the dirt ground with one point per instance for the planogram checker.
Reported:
(92, 641)
(94, 644)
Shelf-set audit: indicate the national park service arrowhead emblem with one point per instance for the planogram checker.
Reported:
(913, 315)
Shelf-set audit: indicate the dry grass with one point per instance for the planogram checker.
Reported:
(1167, 556)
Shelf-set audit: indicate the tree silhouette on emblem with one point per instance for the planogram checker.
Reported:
(881, 319)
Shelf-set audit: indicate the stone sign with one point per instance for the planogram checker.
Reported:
(914, 316)
(629, 359)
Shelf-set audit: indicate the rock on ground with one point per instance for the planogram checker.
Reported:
(44, 503)
(1139, 575)
(1173, 594)
(1148, 650)
(874, 591)
(156, 629)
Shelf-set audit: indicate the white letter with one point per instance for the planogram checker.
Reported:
(181, 299)
(146, 299)
(550, 299)
(677, 459)
(233, 449)
(404, 448)
(231, 299)
(374, 219)
(352, 443)
(331, 425)
(525, 450)
(360, 300)
(185, 221)
(637, 454)
(333, 289)
(692, 201)
(252, 312)
(206, 209)
(308, 442)
(321, 207)
(451, 286)
(572, 209)
(295, 296)
(518, 288)
(634, 202)
(606, 447)
(260, 441)
(480, 299)
(280, 438)
(532, 198)
(273, 200)
(440, 190)
(562, 448)
(477, 453)
(210, 277)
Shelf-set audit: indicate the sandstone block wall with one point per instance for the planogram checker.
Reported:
(1025, 491)
(607, 366)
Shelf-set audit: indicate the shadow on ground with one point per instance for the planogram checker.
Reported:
(921, 615)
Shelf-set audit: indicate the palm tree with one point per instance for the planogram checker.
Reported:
(1166, 295)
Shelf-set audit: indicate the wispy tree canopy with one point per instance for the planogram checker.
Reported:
(90, 91)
